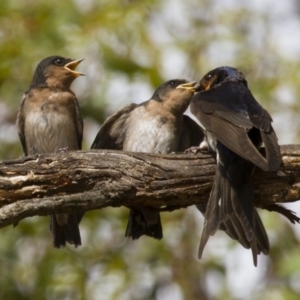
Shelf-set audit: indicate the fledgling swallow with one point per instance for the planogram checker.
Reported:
(49, 120)
(155, 126)
(236, 127)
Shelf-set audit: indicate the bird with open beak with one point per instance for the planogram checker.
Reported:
(49, 120)
(236, 127)
(155, 126)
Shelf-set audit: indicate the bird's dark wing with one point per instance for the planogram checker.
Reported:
(229, 112)
(192, 134)
(228, 102)
(262, 120)
(236, 139)
(272, 149)
(113, 130)
(228, 121)
(234, 102)
(79, 123)
(21, 124)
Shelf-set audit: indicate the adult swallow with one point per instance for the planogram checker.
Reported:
(236, 127)
(155, 126)
(49, 120)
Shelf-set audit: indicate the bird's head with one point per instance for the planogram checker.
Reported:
(56, 72)
(175, 94)
(218, 76)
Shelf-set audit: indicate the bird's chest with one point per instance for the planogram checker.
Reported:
(49, 127)
(151, 134)
(47, 116)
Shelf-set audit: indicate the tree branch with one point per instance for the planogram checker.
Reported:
(86, 180)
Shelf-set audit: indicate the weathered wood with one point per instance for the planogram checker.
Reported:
(86, 180)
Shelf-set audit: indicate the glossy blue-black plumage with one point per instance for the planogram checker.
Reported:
(237, 125)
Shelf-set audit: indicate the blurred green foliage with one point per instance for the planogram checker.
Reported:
(130, 47)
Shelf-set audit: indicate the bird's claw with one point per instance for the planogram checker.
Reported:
(194, 150)
(64, 149)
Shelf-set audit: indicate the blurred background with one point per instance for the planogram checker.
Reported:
(130, 47)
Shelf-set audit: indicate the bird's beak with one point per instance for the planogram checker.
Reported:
(202, 86)
(190, 86)
(71, 66)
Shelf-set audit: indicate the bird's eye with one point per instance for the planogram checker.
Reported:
(59, 62)
(208, 77)
(172, 83)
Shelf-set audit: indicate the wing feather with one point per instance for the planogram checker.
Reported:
(237, 140)
(21, 124)
(192, 134)
(229, 112)
(79, 123)
(112, 132)
(272, 149)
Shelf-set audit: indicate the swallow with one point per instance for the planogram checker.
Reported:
(236, 127)
(154, 126)
(49, 120)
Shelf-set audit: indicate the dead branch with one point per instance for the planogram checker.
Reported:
(87, 180)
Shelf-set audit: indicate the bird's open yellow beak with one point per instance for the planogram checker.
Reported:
(190, 86)
(71, 66)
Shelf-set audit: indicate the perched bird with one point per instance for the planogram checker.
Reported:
(155, 126)
(49, 120)
(236, 127)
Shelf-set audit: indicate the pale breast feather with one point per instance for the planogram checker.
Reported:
(148, 134)
(47, 129)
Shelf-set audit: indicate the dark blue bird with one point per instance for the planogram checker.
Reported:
(236, 127)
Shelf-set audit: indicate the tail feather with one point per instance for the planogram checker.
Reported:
(144, 223)
(234, 229)
(254, 250)
(226, 204)
(212, 218)
(261, 235)
(242, 202)
(67, 231)
(230, 208)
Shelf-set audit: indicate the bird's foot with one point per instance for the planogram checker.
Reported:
(203, 147)
(193, 150)
(64, 149)
(289, 214)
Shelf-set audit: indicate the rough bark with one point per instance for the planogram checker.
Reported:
(86, 180)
